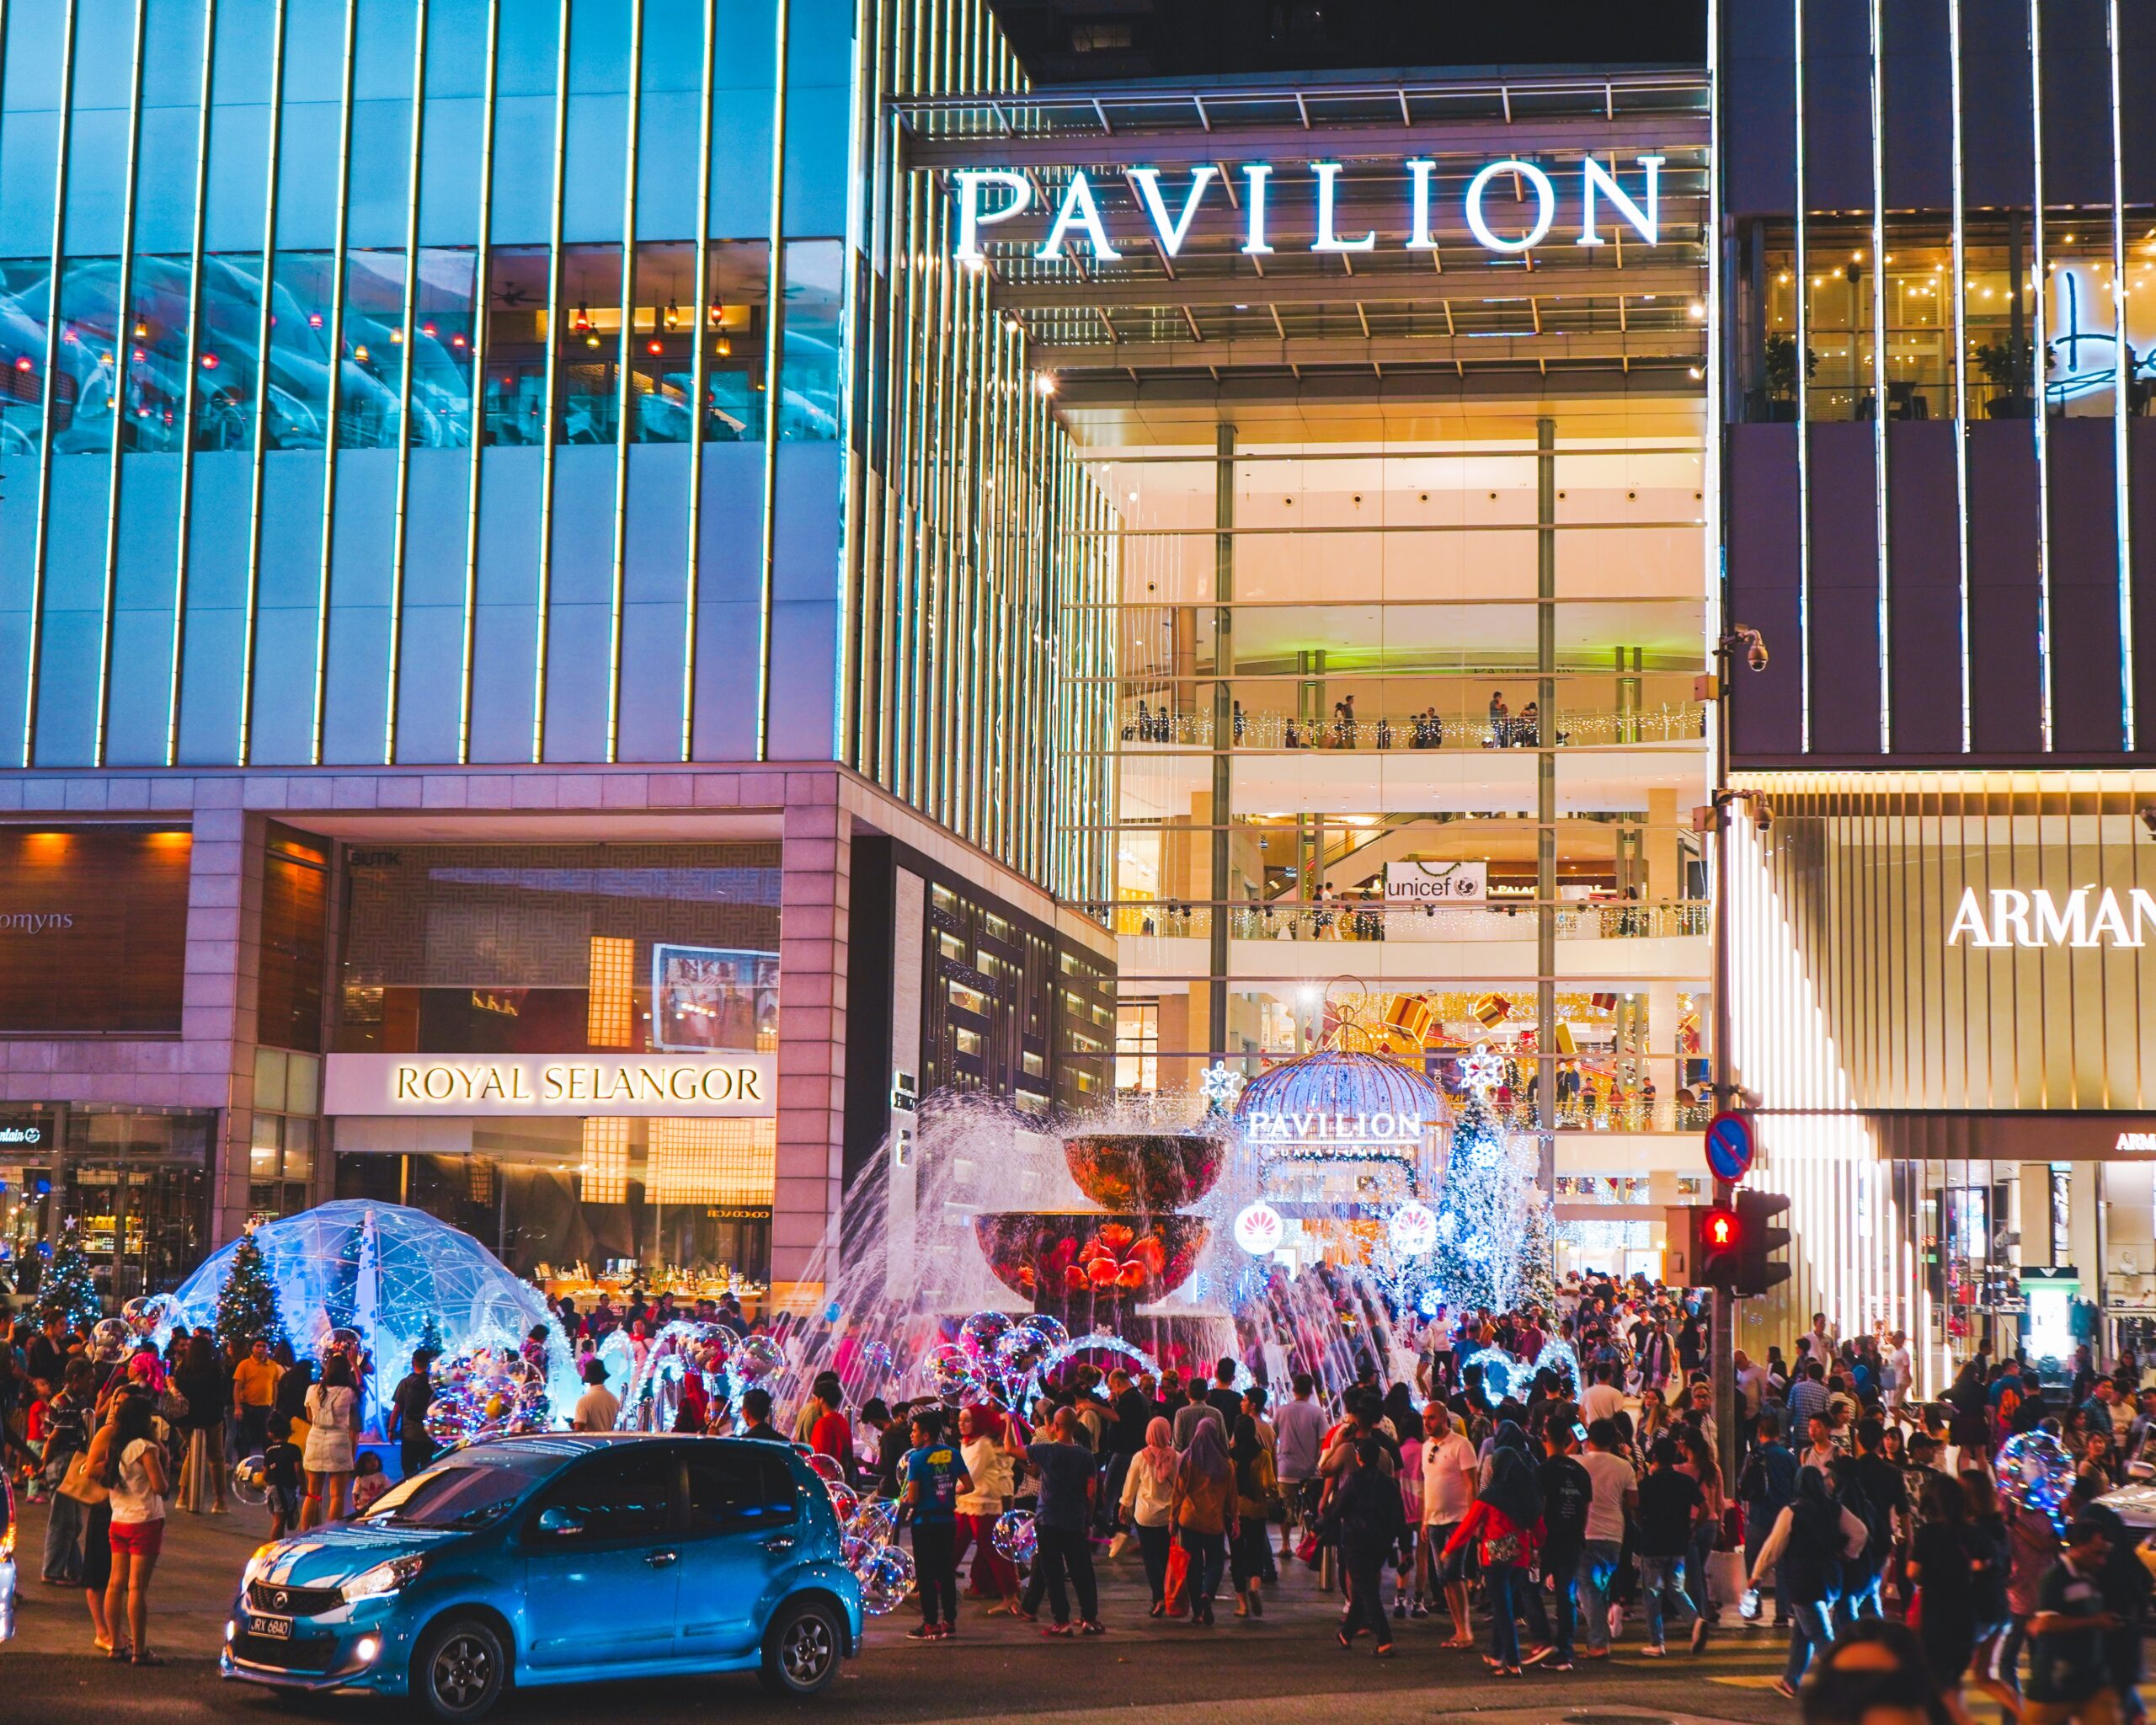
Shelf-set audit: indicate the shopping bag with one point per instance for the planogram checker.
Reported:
(1307, 1547)
(1178, 1579)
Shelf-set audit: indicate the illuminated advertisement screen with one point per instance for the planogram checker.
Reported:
(712, 997)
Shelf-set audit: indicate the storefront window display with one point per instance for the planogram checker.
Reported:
(549, 950)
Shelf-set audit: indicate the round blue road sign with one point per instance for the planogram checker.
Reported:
(1730, 1146)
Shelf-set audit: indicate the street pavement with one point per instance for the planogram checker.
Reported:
(1286, 1668)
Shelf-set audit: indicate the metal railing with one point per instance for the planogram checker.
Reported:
(1140, 723)
(1358, 921)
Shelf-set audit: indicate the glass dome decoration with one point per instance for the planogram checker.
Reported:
(400, 1277)
(1353, 1099)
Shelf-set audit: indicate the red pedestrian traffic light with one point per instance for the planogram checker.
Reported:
(1717, 1246)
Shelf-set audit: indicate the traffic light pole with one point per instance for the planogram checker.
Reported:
(1721, 1331)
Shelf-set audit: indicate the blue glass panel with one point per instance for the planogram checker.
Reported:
(744, 62)
(809, 343)
(662, 344)
(156, 355)
(225, 368)
(307, 174)
(456, 48)
(379, 198)
(25, 288)
(523, 210)
(524, 55)
(589, 364)
(516, 345)
(592, 182)
(451, 145)
(238, 177)
(29, 158)
(164, 180)
(295, 412)
(598, 50)
(104, 54)
(383, 49)
(31, 77)
(441, 349)
(97, 180)
(172, 54)
(673, 44)
(314, 51)
(736, 325)
(670, 129)
(89, 304)
(372, 379)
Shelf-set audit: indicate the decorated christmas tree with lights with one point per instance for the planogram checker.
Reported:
(67, 1291)
(1485, 1215)
(247, 1305)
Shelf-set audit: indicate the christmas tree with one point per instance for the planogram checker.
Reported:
(1483, 1219)
(67, 1291)
(247, 1305)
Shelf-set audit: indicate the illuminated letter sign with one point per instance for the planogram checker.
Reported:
(1077, 213)
(724, 1083)
(2083, 917)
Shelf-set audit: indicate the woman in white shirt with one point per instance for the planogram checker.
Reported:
(330, 1457)
(989, 1466)
(126, 1458)
(1149, 1492)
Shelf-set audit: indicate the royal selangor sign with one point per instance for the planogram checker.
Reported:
(988, 196)
(568, 1085)
(2083, 917)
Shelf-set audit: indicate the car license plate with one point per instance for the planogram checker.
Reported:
(270, 1628)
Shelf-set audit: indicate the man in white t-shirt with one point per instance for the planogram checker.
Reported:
(598, 1407)
(1449, 1470)
(1603, 1400)
(1616, 1490)
(1900, 1371)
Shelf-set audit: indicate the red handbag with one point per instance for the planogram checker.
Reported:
(1178, 1579)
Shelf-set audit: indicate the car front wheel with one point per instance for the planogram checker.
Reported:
(459, 1669)
(801, 1648)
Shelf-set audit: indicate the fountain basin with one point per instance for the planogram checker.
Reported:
(1055, 1258)
(1150, 1172)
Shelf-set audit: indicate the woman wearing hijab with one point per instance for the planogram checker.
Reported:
(1364, 1514)
(1255, 1486)
(1148, 1502)
(1507, 1517)
(1203, 1511)
(990, 1464)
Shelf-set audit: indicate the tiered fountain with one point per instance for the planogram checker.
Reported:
(1093, 1266)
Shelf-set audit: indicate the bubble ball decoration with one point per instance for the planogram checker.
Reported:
(885, 1577)
(2035, 1472)
(146, 1315)
(1014, 1536)
(487, 1394)
(948, 1370)
(756, 1358)
(110, 1337)
(251, 1481)
(1107, 1342)
(875, 1522)
(845, 1504)
(344, 1341)
(826, 1468)
(982, 1334)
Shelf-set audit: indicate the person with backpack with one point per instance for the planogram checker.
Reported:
(1765, 1487)
(1812, 1538)
(1507, 1518)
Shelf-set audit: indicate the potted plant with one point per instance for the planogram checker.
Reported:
(1780, 393)
(2005, 365)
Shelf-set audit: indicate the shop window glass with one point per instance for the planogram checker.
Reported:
(516, 345)
(808, 374)
(294, 909)
(302, 303)
(226, 363)
(24, 288)
(82, 406)
(662, 344)
(94, 936)
(156, 353)
(371, 378)
(737, 290)
(2081, 357)
(1839, 294)
(441, 349)
(591, 355)
(1919, 266)
(1999, 315)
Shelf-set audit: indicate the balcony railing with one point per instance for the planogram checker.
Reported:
(1435, 922)
(1263, 732)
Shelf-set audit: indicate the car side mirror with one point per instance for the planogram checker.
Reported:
(558, 1524)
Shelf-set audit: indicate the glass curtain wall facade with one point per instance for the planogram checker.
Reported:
(1948, 210)
(1409, 728)
(455, 383)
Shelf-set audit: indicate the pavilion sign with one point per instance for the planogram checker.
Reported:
(988, 196)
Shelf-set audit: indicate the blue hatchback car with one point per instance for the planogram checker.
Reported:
(559, 1559)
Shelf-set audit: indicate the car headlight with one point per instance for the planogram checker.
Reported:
(382, 1580)
(258, 1565)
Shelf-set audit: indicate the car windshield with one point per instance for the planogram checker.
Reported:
(464, 1493)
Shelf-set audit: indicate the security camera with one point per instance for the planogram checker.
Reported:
(1755, 646)
(1763, 812)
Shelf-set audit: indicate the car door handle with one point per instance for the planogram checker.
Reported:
(782, 1542)
(660, 1560)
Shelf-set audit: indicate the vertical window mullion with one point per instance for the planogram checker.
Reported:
(400, 526)
(625, 334)
(331, 441)
(182, 558)
(250, 644)
(483, 270)
(699, 364)
(551, 413)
